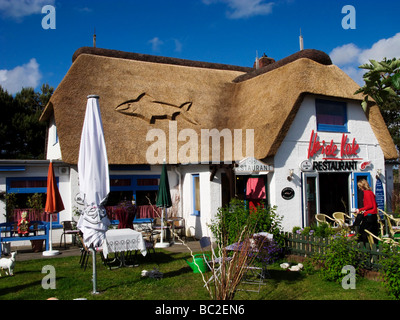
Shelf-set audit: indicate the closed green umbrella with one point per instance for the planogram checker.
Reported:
(163, 200)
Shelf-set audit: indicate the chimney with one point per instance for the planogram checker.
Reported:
(301, 42)
(263, 61)
(94, 38)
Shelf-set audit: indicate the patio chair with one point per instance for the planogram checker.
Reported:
(394, 233)
(85, 254)
(156, 226)
(214, 263)
(381, 223)
(254, 276)
(323, 218)
(178, 225)
(373, 239)
(150, 238)
(69, 228)
(340, 218)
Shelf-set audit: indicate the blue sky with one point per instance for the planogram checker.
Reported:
(222, 31)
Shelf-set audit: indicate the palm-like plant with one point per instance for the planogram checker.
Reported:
(382, 84)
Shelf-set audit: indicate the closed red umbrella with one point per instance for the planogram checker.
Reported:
(54, 204)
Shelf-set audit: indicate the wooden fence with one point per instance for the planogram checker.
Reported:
(308, 246)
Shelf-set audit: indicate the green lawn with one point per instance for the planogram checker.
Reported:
(178, 282)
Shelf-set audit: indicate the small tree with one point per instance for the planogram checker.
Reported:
(382, 83)
(231, 219)
(36, 203)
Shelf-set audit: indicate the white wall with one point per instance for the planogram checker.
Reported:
(53, 144)
(294, 150)
(210, 199)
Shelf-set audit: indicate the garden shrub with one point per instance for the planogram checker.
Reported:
(231, 219)
(390, 270)
(340, 252)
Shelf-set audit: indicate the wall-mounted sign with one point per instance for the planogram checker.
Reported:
(306, 166)
(365, 165)
(252, 166)
(287, 193)
(332, 151)
(327, 165)
(335, 165)
(379, 194)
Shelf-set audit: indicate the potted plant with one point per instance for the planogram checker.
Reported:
(35, 202)
(11, 204)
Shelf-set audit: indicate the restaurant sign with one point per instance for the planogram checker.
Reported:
(332, 151)
(329, 165)
(335, 157)
(252, 166)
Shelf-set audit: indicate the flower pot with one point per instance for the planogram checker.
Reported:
(37, 245)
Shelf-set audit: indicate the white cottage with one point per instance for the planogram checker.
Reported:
(291, 133)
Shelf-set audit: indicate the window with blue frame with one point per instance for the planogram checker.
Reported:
(24, 188)
(196, 194)
(331, 115)
(141, 188)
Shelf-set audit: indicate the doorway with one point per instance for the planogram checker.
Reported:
(334, 192)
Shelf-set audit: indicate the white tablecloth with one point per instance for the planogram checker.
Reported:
(118, 240)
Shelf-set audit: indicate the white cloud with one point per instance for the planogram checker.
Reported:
(21, 8)
(349, 57)
(156, 43)
(345, 54)
(27, 75)
(385, 48)
(244, 8)
(178, 45)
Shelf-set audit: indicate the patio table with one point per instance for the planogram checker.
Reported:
(253, 274)
(123, 240)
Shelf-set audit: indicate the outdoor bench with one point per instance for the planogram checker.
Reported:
(38, 230)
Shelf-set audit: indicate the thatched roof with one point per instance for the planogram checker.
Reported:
(141, 92)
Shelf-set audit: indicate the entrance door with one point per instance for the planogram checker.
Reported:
(357, 193)
(334, 192)
(311, 201)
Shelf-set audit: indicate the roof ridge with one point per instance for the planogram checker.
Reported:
(312, 54)
(156, 59)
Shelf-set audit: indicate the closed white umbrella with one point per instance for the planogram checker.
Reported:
(94, 184)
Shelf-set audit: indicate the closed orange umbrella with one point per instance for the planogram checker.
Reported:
(54, 204)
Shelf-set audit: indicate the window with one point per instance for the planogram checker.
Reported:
(55, 136)
(331, 115)
(24, 189)
(141, 188)
(27, 185)
(196, 194)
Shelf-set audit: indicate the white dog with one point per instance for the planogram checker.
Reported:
(8, 263)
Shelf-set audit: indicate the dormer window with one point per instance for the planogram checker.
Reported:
(331, 115)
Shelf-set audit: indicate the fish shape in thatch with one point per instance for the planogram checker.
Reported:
(148, 109)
